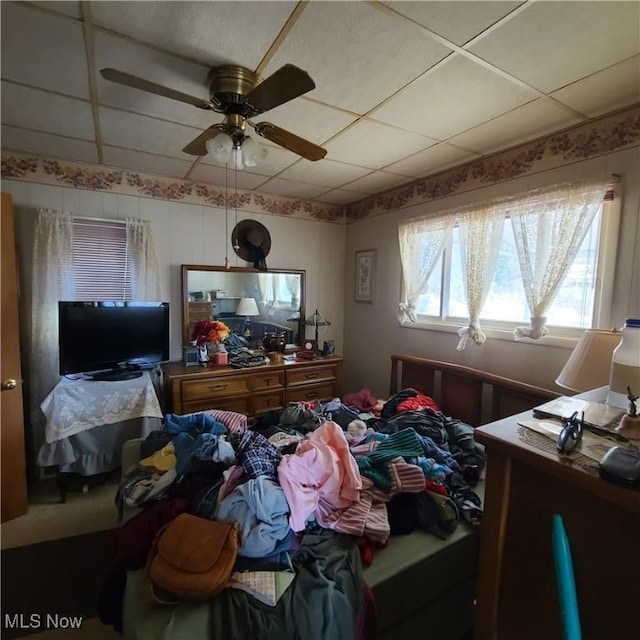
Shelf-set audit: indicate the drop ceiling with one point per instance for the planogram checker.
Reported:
(403, 89)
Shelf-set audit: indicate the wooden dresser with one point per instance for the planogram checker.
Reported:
(250, 391)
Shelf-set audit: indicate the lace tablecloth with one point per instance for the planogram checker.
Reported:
(78, 405)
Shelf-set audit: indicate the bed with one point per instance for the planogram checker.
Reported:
(418, 585)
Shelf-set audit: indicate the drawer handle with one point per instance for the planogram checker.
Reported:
(311, 376)
(311, 394)
(218, 387)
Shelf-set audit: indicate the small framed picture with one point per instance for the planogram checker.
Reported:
(365, 275)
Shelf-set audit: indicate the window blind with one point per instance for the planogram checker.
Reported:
(100, 260)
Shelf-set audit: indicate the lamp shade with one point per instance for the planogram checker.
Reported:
(589, 364)
(247, 307)
(316, 319)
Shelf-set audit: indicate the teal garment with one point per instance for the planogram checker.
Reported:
(404, 444)
(322, 603)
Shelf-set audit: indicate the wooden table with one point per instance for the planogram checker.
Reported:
(517, 594)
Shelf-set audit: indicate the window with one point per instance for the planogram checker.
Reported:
(101, 265)
(506, 301)
(579, 302)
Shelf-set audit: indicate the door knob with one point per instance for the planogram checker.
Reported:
(9, 384)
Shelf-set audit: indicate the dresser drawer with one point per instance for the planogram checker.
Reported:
(323, 392)
(310, 375)
(266, 381)
(214, 388)
(268, 401)
(240, 405)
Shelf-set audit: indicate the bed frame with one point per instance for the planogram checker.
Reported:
(473, 396)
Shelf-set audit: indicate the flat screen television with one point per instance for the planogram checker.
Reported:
(112, 340)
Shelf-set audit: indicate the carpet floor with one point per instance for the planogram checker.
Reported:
(60, 577)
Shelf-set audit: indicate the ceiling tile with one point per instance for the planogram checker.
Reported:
(431, 160)
(551, 44)
(340, 196)
(456, 21)
(377, 182)
(129, 130)
(139, 60)
(277, 186)
(529, 121)
(48, 145)
(308, 119)
(71, 9)
(373, 144)
(276, 160)
(34, 109)
(43, 50)
(145, 162)
(356, 54)
(611, 89)
(215, 175)
(210, 32)
(454, 97)
(323, 172)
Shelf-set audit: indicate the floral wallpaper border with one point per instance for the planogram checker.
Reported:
(19, 166)
(588, 140)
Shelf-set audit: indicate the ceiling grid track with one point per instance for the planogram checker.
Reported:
(463, 51)
(89, 45)
(279, 39)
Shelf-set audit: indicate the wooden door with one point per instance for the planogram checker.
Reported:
(12, 451)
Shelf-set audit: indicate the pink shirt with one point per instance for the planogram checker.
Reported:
(322, 472)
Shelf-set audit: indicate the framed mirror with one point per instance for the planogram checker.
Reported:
(251, 302)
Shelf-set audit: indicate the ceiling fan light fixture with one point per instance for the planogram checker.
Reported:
(220, 147)
(252, 152)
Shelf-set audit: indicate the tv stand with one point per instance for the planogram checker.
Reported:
(117, 375)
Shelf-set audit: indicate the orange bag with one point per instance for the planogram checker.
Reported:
(191, 559)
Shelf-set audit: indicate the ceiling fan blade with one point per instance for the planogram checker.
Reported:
(198, 147)
(290, 141)
(287, 83)
(146, 85)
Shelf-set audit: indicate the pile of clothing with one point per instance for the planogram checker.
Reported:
(355, 470)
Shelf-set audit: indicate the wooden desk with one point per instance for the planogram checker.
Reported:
(516, 594)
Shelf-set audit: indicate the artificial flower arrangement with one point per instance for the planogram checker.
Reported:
(210, 331)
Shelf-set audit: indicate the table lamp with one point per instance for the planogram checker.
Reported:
(589, 364)
(316, 320)
(247, 307)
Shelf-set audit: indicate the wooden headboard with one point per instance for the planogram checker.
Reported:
(473, 396)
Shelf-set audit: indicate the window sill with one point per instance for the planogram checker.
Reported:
(556, 338)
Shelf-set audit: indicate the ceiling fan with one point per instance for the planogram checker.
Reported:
(239, 94)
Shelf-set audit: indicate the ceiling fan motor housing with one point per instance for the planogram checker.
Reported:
(228, 86)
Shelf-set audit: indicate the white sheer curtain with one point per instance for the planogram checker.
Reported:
(549, 226)
(292, 282)
(51, 281)
(480, 238)
(145, 276)
(421, 245)
(267, 289)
